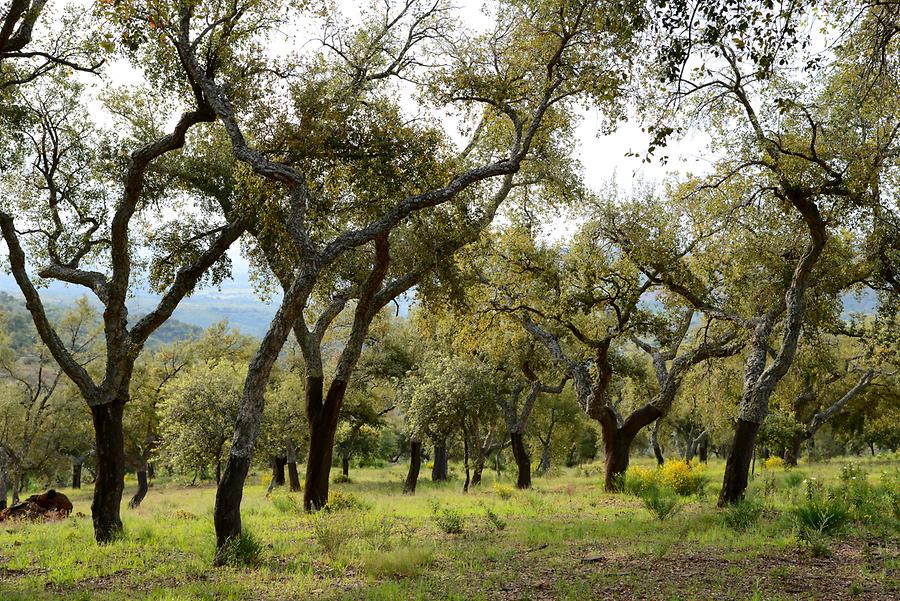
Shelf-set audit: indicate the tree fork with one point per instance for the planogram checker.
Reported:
(617, 441)
(323, 421)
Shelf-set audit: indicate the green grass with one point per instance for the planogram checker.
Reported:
(564, 539)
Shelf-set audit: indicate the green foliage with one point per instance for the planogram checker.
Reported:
(743, 515)
(344, 501)
(448, 520)
(821, 512)
(405, 562)
(770, 483)
(852, 472)
(241, 550)
(197, 415)
(495, 522)
(286, 503)
(444, 392)
(662, 502)
(793, 478)
(330, 534)
(815, 541)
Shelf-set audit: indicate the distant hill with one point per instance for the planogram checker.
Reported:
(235, 301)
(20, 327)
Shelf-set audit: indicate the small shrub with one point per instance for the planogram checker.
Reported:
(340, 501)
(405, 562)
(662, 502)
(793, 479)
(341, 479)
(770, 483)
(377, 532)
(286, 504)
(503, 491)
(330, 534)
(822, 513)
(592, 470)
(551, 472)
(852, 471)
(449, 520)
(773, 463)
(894, 495)
(143, 534)
(863, 500)
(890, 483)
(495, 522)
(636, 480)
(241, 550)
(816, 542)
(682, 477)
(181, 514)
(743, 515)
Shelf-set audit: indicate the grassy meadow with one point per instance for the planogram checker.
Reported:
(564, 539)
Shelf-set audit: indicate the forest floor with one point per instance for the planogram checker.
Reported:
(564, 539)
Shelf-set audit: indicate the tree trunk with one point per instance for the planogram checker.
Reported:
(654, 441)
(345, 466)
(544, 465)
(439, 471)
(110, 481)
(227, 514)
(617, 457)
(323, 420)
(466, 461)
(278, 466)
(792, 450)
(690, 448)
(477, 470)
(76, 474)
(218, 471)
(415, 464)
(293, 475)
(737, 466)
(523, 461)
(704, 449)
(151, 472)
(872, 448)
(142, 487)
(16, 485)
(657, 452)
(4, 484)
